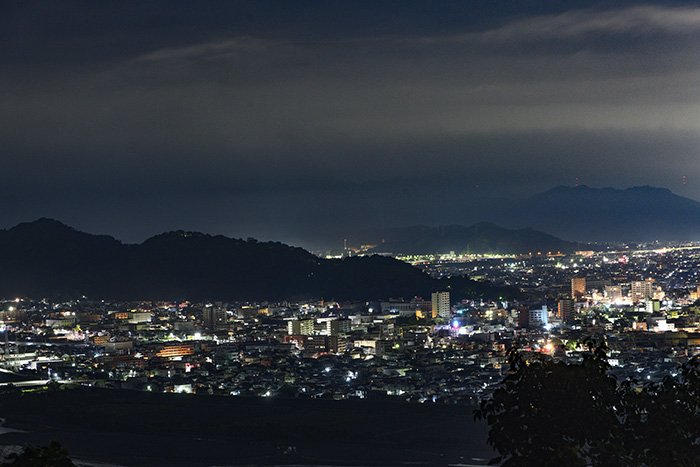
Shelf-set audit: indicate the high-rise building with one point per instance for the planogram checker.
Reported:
(213, 317)
(578, 287)
(441, 305)
(641, 290)
(300, 327)
(337, 326)
(337, 344)
(538, 317)
(566, 309)
(315, 344)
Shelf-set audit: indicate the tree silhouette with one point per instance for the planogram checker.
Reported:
(662, 420)
(550, 413)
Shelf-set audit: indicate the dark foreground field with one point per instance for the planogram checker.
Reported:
(145, 429)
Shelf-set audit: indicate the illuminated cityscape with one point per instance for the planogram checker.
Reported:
(351, 234)
(418, 350)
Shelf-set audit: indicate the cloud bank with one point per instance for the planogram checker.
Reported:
(237, 131)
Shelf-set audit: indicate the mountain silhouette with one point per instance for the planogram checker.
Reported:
(583, 213)
(483, 237)
(46, 258)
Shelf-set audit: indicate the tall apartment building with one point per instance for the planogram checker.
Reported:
(566, 309)
(641, 290)
(300, 327)
(441, 305)
(538, 317)
(335, 326)
(213, 317)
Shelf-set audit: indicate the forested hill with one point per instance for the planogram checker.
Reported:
(48, 258)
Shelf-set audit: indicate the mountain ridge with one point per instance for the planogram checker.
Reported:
(46, 258)
(634, 214)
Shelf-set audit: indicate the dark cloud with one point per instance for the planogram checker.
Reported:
(279, 122)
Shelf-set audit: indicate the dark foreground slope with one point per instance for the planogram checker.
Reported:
(48, 258)
(146, 429)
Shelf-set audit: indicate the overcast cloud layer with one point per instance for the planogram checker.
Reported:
(278, 120)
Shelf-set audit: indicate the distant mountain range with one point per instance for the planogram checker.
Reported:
(578, 214)
(483, 237)
(46, 258)
(588, 214)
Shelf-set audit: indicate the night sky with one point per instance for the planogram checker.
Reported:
(296, 120)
